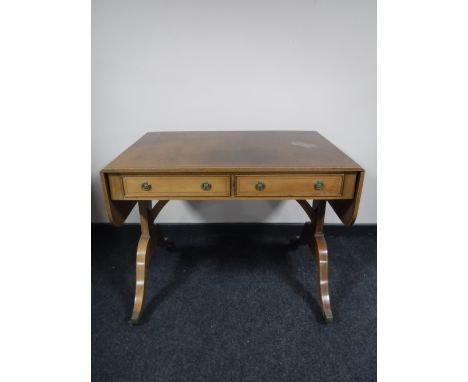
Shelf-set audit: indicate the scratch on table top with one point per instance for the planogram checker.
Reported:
(304, 144)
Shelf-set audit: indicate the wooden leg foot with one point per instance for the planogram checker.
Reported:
(164, 241)
(161, 240)
(133, 321)
(306, 235)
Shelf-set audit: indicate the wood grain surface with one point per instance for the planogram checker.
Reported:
(231, 151)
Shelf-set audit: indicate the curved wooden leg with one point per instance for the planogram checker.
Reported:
(143, 259)
(321, 253)
(322, 265)
(316, 213)
(144, 251)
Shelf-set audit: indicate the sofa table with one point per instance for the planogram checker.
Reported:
(231, 165)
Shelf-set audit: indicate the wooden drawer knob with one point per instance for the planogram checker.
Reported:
(145, 186)
(206, 186)
(260, 186)
(319, 185)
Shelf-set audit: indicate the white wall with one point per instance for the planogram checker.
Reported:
(234, 65)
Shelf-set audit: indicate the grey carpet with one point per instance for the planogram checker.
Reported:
(234, 303)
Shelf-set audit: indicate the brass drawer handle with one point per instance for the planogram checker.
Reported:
(260, 186)
(145, 186)
(319, 185)
(206, 186)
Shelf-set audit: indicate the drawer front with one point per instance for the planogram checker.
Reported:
(176, 186)
(290, 185)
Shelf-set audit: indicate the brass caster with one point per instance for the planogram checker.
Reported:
(328, 317)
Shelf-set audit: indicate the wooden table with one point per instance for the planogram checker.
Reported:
(253, 165)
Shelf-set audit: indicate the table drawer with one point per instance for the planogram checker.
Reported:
(176, 186)
(290, 185)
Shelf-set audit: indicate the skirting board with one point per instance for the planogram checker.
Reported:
(287, 230)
